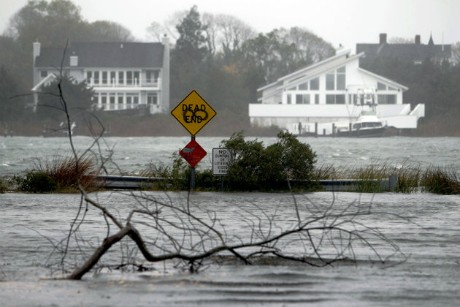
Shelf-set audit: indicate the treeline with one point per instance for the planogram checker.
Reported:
(434, 84)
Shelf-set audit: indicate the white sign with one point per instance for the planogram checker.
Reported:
(221, 158)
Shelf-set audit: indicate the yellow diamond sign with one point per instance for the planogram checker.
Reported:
(193, 112)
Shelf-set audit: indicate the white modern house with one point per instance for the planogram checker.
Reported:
(123, 75)
(332, 94)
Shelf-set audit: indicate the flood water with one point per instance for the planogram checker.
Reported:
(424, 227)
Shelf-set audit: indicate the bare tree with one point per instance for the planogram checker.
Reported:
(456, 53)
(226, 33)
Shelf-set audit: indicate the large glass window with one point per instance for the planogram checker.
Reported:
(129, 77)
(112, 77)
(136, 77)
(314, 84)
(339, 99)
(152, 98)
(386, 99)
(335, 99)
(336, 80)
(149, 76)
(104, 77)
(121, 77)
(330, 81)
(96, 77)
(302, 99)
(341, 82)
(89, 76)
(381, 86)
(303, 86)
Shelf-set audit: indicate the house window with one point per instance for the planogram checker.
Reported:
(341, 78)
(335, 99)
(316, 98)
(339, 99)
(336, 80)
(112, 77)
(288, 96)
(386, 99)
(96, 77)
(381, 86)
(302, 99)
(89, 76)
(330, 81)
(120, 100)
(104, 77)
(303, 86)
(130, 100)
(112, 100)
(121, 77)
(136, 77)
(152, 98)
(43, 73)
(129, 77)
(314, 84)
(104, 101)
(151, 76)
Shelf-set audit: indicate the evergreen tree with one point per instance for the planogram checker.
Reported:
(188, 59)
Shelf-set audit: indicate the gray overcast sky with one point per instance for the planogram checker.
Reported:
(345, 22)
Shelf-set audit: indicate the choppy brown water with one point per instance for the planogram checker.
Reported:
(429, 277)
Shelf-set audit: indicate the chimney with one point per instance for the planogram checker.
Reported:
(165, 75)
(383, 38)
(74, 60)
(417, 39)
(36, 49)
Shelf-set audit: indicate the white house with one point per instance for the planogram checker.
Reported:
(123, 75)
(332, 93)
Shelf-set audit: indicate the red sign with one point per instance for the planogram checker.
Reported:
(193, 153)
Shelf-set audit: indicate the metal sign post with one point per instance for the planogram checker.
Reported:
(193, 113)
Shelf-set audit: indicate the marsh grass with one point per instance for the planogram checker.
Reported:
(67, 172)
(440, 181)
(3, 186)
(411, 178)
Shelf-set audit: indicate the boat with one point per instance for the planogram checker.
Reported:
(367, 125)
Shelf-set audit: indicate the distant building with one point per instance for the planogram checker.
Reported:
(123, 75)
(415, 52)
(332, 93)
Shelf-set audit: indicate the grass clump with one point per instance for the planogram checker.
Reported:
(37, 182)
(440, 181)
(3, 186)
(60, 174)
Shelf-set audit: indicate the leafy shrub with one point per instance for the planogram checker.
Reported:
(255, 167)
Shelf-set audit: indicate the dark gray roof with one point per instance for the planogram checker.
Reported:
(405, 52)
(104, 55)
